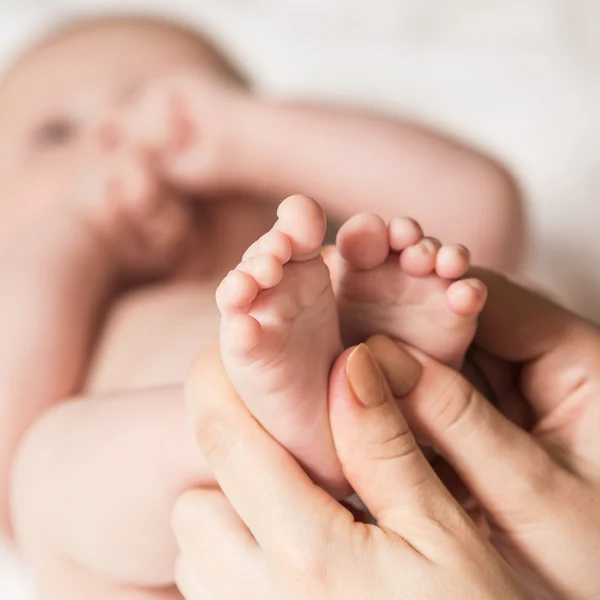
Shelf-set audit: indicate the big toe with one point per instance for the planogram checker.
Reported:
(363, 241)
(302, 219)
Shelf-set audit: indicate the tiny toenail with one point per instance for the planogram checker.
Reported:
(428, 246)
(411, 223)
(475, 284)
(478, 289)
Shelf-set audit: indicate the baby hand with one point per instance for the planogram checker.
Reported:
(144, 225)
(191, 125)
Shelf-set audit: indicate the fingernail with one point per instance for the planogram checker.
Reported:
(364, 377)
(401, 370)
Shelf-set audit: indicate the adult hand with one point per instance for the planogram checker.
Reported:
(540, 490)
(291, 540)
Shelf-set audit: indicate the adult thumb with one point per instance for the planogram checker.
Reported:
(379, 455)
(505, 468)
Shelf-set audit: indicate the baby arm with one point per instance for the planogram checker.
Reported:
(94, 485)
(212, 138)
(353, 161)
(95, 480)
(55, 282)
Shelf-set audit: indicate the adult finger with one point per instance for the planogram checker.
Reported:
(521, 326)
(377, 450)
(189, 582)
(499, 381)
(214, 541)
(517, 324)
(278, 502)
(503, 465)
(202, 518)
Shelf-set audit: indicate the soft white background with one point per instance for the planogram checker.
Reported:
(520, 78)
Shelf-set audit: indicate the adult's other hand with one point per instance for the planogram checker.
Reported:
(539, 489)
(272, 533)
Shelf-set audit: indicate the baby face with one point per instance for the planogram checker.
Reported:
(52, 98)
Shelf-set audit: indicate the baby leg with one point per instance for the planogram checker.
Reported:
(95, 481)
(280, 336)
(60, 578)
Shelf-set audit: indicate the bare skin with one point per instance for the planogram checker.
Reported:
(96, 215)
(385, 271)
(289, 539)
(537, 490)
(337, 155)
(280, 311)
(56, 154)
(130, 540)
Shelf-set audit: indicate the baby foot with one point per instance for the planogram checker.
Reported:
(143, 225)
(280, 335)
(392, 280)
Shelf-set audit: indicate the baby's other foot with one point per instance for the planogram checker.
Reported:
(280, 335)
(392, 280)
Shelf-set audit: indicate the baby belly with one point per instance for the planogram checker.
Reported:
(152, 336)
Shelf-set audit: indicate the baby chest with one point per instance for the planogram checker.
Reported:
(151, 336)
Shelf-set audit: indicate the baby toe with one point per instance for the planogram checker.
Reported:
(236, 292)
(363, 241)
(265, 269)
(304, 223)
(419, 260)
(404, 232)
(452, 262)
(276, 243)
(467, 297)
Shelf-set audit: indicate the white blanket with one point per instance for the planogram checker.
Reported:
(518, 78)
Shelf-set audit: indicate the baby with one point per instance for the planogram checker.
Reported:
(136, 167)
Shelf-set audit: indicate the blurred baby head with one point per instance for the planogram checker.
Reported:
(56, 91)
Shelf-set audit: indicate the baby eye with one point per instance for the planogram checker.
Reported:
(55, 133)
